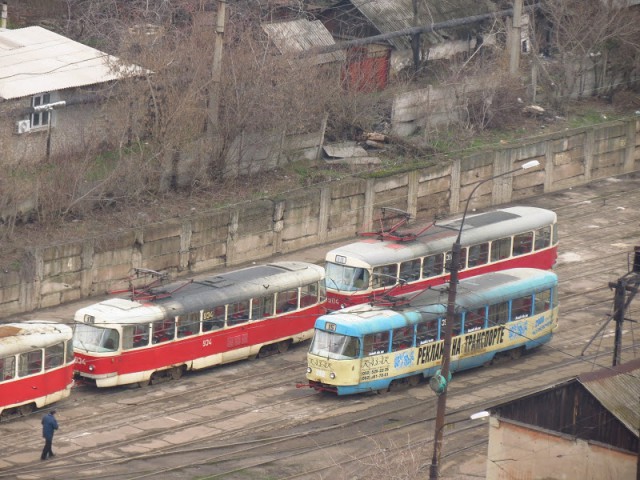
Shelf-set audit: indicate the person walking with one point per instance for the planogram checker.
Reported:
(49, 425)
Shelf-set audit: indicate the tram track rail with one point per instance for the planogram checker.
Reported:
(251, 445)
(301, 427)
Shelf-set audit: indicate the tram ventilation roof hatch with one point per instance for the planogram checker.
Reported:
(488, 218)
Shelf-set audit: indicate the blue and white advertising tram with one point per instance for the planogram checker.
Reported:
(367, 348)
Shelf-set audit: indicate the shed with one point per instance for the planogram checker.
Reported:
(301, 35)
(45, 100)
(594, 417)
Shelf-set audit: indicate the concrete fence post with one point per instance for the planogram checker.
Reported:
(588, 154)
(548, 166)
(325, 208)
(454, 187)
(630, 147)
(369, 203)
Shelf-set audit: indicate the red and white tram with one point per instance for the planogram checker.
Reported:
(495, 240)
(36, 365)
(198, 323)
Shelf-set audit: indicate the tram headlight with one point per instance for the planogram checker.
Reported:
(332, 376)
(308, 369)
(91, 368)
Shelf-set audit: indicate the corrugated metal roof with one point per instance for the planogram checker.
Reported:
(618, 390)
(301, 35)
(394, 15)
(35, 60)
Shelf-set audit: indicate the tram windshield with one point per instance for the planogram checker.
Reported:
(333, 345)
(345, 278)
(95, 339)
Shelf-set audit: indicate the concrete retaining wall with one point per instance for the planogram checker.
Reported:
(234, 235)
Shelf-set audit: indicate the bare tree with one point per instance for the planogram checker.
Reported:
(592, 47)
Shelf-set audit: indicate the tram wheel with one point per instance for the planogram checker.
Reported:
(176, 373)
(283, 346)
(515, 354)
(25, 410)
(414, 380)
(145, 383)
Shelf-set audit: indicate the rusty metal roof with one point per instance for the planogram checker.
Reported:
(394, 15)
(35, 60)
(301, 35)
(618, 390)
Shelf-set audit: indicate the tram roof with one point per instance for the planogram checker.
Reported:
(477, 228)
(489, 288)
(193, 295)
(30, 335)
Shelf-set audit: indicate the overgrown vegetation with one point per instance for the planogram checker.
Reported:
(173, 148)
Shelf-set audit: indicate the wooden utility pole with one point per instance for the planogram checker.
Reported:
(216, 68)
(626, 288)
(516, 37)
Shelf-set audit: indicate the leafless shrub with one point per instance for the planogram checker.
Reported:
(591, 47)
(496, 105)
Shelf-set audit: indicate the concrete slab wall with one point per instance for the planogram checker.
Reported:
(234, 235)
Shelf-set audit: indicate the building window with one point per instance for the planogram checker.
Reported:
(40, 119)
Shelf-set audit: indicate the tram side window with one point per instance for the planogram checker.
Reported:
(287, 301)
(385, 276)
(410, 271)
(500, 249)
(309, 294)
(29, 363)
(520, 307)
(474, 320)
(54, 356)
(163, 330)
(463, 259)
(69, 349)
(238, 313)
(261, 307)
(213, 319)
(542, 237)
(188, 324)
(522, 243)
(542, 302)
(402, 338)
(8, 368)
(135, 336)
(426, 332)
(498, 314)
(478, 254)
(376, 343)
(432, 265)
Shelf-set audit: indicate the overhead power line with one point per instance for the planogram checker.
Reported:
(457, 22)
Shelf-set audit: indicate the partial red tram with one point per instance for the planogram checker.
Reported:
(166, 330)
(513, 237)
(36, 365)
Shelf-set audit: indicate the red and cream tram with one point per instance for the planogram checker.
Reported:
(198, 323)
(36, 365)
(495, 240)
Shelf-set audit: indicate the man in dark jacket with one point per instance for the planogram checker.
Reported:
(49, 425)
